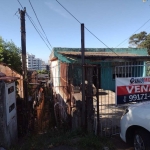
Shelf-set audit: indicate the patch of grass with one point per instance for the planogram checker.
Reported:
(93, 142)
(55, 138)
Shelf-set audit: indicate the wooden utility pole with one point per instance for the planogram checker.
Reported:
(23, 48)
(83, 79)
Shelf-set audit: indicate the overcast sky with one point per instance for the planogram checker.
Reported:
(112, 21)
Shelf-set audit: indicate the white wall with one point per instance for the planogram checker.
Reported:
(55, 74)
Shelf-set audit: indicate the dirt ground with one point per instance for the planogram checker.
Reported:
(63, 147)
(119, 144)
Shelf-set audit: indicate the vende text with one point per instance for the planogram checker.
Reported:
(125, 90)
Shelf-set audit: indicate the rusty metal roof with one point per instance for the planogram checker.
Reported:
(97, 56)
(108, 54)
(7, 78)
(2, 74)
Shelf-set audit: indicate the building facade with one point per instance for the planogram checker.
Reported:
(34, 63)
(102, 67)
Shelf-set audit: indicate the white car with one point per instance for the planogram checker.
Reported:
(135, 126)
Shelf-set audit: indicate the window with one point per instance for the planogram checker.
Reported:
(11, 107)
(11, 89)
(122, 75)
(121, 69)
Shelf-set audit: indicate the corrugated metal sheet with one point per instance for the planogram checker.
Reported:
(9, 78)
(97, 54)
(93, 56)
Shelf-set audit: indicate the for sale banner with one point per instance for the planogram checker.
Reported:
(132, 89)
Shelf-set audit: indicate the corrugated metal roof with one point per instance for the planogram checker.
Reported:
(73, 55)
(9, 78)
(2, 74)
(97, 54)
(94, 56)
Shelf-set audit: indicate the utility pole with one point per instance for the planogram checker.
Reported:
(24, 68)
(83, 79)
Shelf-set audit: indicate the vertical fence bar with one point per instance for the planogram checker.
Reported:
(131, 69)
(97, 97)
(83, 79)
(125, 69)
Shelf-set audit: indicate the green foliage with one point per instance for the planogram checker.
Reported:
(10, 54)
(140, 40)
(42, 71)
(70, 139)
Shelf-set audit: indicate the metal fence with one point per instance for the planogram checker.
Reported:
(102, 77)
(109, 112)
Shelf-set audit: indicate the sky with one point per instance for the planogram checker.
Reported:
(112, 21)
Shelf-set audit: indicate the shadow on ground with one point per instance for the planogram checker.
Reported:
(119, 144)
(63, 147)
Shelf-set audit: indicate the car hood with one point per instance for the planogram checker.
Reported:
(143, 105)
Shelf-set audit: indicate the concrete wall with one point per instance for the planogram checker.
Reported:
(59, 76)
(8, 133)
(55, 75)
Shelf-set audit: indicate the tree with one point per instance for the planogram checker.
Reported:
(10, 54)
(140, 40)
(42, 71)
(1, 50)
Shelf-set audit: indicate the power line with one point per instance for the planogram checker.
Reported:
(134, 32)
(85, 26)
(39, 33)
(40, 23)
(16, 14)
(68, 11)
(34, 26)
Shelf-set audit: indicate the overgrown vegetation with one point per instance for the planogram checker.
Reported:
(42, 71)
(54, 138)
(10, 54)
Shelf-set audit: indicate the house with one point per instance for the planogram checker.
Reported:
(106, 63)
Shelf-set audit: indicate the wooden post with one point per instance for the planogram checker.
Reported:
(89, 100)
(83, 79)
(24, 69)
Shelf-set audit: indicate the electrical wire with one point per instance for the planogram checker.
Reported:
(39, 33)
(85, 27)
(134, 32)
(34, 26)
(40, 23)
